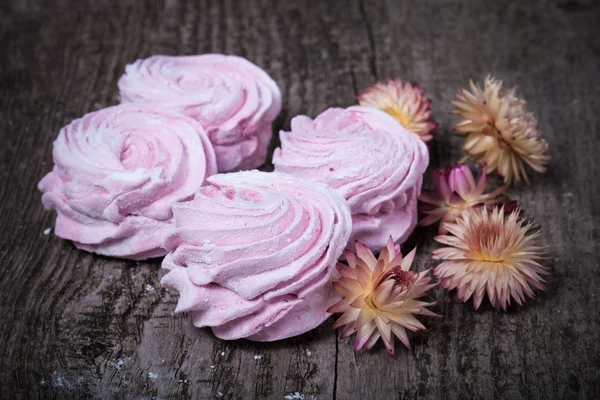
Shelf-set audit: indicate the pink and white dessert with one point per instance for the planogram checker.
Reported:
(369, 159)
(234, 100)
(253, 253)
(116, 173)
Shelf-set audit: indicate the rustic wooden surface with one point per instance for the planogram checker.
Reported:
(75, 325)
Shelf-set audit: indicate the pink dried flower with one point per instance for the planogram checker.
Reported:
(456, 190)
(490, 253)
(405, 102)
(379, 296)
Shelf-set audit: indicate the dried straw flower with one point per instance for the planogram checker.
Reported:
(500, 131)
(405, 102)
(490, 253)
(380, 296)
(455, 190)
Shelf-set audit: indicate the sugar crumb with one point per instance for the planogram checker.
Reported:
(294, 396)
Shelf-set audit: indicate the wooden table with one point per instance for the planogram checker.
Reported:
(76, 325)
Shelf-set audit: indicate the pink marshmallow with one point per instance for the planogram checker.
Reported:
(116, 173)
(369, 159)
(234, 100)
(372, 230)
(252, 255)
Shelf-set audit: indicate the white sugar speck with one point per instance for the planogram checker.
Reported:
(222, 353)
(294, 396)
(308, 352)
(212, 367)
(47, 231)
(152, 375)
(220, 394)
(149, 287)
(258, 356)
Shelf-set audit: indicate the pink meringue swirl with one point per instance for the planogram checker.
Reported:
(372, 230)
(234, 100)
(252, 254)
(116, 173)
(368, 158)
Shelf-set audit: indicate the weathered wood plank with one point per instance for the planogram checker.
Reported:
(82, 326)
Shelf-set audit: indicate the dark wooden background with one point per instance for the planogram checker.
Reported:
(75, 325)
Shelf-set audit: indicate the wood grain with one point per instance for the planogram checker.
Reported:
(82, 326)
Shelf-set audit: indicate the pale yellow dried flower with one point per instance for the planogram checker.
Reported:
(500, 131)
(403, 101)
(488, 252)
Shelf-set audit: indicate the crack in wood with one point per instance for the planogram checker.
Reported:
(371, 39)
(353, 80)
(335, 370)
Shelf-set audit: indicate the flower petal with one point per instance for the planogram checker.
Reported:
(407, 261)
(364, 253)
(385, 329)
(363, 334)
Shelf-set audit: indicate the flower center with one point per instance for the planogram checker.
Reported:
(402, 280)
(492, 130)
(370, 302)
(404, 118)
(490, 243)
